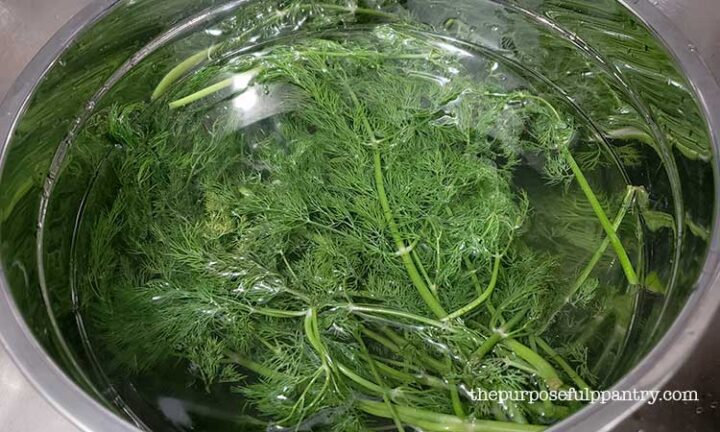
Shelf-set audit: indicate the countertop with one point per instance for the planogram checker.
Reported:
(25, 25)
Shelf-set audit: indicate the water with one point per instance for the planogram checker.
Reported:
(594, 113)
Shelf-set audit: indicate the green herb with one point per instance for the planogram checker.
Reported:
(359, 258)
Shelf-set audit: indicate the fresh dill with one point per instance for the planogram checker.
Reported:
(361, 257)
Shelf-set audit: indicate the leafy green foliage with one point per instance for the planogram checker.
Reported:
(313, 258)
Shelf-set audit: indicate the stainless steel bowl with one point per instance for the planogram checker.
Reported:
(28, 338)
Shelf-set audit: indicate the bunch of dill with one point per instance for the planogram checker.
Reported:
(358, 260)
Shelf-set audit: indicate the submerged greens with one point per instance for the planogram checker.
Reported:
(361, 256)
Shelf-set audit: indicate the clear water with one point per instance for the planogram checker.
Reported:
(614, 140)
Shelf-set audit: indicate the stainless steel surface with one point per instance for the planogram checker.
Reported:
(25, 25)
(22, 409)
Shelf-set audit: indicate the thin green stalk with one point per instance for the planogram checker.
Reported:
(543, 368)
(454, 394)
(424, 273)
(180, 69)
(627, 266)
(378, 378)
(382, 340)
(434, 422)
(300, 403)
(312, 333)
(519, 364)
(549, 410)
(455, 398)
(424, 379)
(569, 371)
(274, 313)
(497, 336)
(631, 133)
(362, 382)
(393, 373)
(401, 342)
(498, 411)
(399, 314)
(207, 91)
(183, 67)
(473, 276)
(482, 297)
(254, 366)
(619, 217)
(400, 244)
(221, 85)
(487, 346)
(514, 412)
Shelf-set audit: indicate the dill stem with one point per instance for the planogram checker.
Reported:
(221, 85)
(181, 68)
(401, 342)
(454, 394)
(473, 276)
(549, 410)
(254, 366)
(515, 413)
(424, 379)
(543, 368)
(424, 273)
(569, 371)
(396, 313)
(367, 384)
(487, 346)
(604, 221)
(599, 252)
(627, 266)
(400, 244)
(274, 313)
(619, 217)
(380, 381)
(455, 398)
(497, 336)
(520, 365)
(631, 133)
(207, 91)
(312, 333)
(482, 297)
(382, 340)
(435, 422)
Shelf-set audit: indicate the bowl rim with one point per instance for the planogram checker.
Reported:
(36, 365)
(651, 373)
